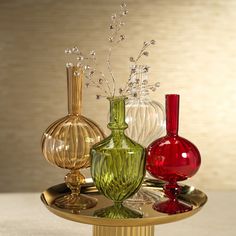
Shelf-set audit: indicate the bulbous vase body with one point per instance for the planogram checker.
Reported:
(145, 119)
(173, 158)
(67, 142)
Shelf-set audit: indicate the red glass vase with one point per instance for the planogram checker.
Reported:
(172, 158)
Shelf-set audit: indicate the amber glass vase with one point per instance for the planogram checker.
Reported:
(118, 163)
(66, 143)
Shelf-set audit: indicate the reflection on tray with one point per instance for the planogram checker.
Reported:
(118, 211)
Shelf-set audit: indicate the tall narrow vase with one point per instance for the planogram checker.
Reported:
(118, 163)
(172, 158)
(66, 143)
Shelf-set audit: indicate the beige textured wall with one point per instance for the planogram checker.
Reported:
(195, 57)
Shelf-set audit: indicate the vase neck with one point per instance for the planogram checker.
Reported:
(139, 81)
(117, 114)
(74, 89)
(172, 114)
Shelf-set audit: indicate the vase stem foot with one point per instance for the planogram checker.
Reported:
(140, 198)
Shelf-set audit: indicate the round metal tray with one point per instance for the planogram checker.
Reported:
(189, 195)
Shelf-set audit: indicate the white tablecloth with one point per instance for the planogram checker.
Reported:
(25, 215)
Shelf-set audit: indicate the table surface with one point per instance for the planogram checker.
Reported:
(24, 215)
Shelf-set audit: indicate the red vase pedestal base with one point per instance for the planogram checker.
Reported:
(171, 207)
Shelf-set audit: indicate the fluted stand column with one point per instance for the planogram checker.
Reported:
(123, 231)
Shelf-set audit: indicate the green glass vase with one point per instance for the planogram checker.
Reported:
(117, 162)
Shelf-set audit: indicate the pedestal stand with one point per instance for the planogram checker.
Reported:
(123, 231)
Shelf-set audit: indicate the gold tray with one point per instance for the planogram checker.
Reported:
(130, 226)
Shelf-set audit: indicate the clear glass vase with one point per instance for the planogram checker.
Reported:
(66, 143)
(118, 163)
(144, 116)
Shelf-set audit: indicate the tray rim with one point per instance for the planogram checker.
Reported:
(161, 219)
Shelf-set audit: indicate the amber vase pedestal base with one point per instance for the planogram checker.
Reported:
(123, 231)
(75, 202)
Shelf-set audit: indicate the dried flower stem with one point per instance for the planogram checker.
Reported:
(106, 81)
(115, 27)
(133, 71)
(89, 66)
(96, 85)
(141, 53)
(110, 71)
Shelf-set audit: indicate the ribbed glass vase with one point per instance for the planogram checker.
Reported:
(118, 163)
(66, 143)
(144, 116)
